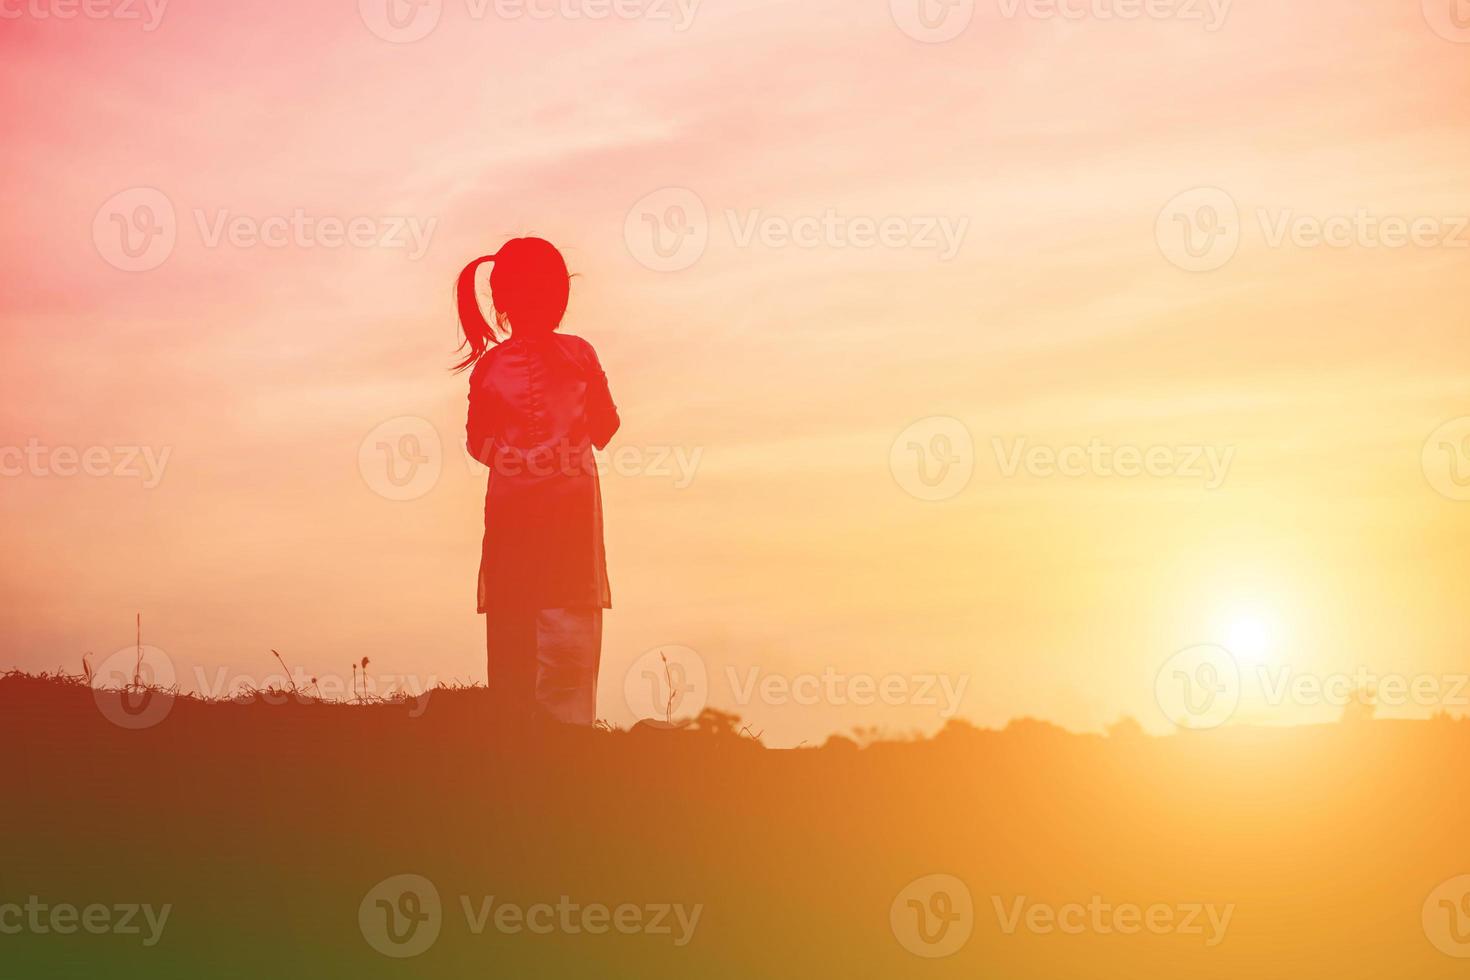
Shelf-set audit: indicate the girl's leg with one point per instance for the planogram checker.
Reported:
(569, 650)
(510, 660)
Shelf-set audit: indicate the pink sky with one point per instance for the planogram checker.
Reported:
(793, 550)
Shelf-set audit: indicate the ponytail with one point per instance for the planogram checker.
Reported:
(528, 289)
(478, 333)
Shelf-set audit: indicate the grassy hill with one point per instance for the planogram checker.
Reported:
(277, 831)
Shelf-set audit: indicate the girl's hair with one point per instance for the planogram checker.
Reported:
(528, 286)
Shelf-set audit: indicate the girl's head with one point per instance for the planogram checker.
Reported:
(528, 286)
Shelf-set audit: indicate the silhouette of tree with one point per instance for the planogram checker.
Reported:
(1361, 706)
(1126, 727)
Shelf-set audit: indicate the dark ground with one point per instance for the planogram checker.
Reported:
(265, 827)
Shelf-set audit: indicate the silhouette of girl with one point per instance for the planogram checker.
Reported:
(539, 404)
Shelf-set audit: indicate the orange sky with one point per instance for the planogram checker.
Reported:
(1056, 314)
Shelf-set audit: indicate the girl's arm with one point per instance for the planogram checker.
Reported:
(479, 432)
(602, 414)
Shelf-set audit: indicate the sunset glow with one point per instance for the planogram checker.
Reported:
(791, 248)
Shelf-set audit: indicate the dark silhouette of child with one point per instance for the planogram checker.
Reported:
(539, 405)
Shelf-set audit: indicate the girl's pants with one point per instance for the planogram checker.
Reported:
(545, 657)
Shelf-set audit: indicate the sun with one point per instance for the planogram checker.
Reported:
(1250, 636)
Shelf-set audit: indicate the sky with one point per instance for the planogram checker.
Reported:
(981, 361)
